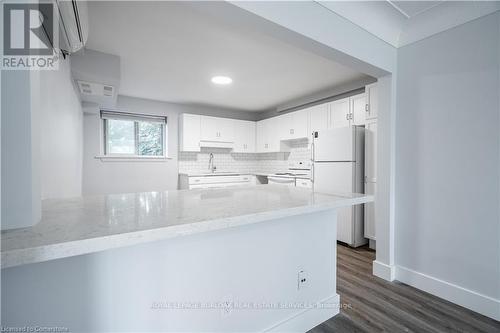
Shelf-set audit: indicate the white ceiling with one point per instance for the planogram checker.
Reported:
(401, 23)
(413, 8)
(170, 50)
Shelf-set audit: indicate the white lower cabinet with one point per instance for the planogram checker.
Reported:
(370, 188)
(215, 181)
(306, 183)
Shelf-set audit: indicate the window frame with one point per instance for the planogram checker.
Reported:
(135, 118)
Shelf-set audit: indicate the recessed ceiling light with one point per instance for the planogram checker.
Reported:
(221, 80)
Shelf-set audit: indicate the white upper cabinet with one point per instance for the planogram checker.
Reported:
(209, 131)
(274, 136)
(318, 118)
(294, 125)
(371, 108)
(226, 129)
(217, 129)
(269, 135)
(266, 135)
(348, 111)
(358, 105)
(300, 124)
(259, 136)
(244, 136)
(189, 132)
(263, 136)
(340, 113)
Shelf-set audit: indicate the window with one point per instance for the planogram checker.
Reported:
(134, 135)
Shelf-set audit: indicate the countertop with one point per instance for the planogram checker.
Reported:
(90, 224)
(227, 173)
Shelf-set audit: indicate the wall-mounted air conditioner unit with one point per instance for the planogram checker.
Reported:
(73, 24)
(72, 18)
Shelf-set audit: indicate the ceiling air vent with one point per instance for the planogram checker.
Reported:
(108, 90)
(95, 89)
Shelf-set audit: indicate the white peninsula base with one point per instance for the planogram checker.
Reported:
(238, 278)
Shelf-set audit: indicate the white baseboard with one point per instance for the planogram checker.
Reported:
(308, 318)
(469, 299)
(383, 271)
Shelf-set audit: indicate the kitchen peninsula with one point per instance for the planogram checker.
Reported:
(266, 255)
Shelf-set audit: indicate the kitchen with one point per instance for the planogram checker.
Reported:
(251, 166)
(286, 150)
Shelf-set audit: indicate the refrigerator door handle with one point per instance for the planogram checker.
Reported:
(312, 173)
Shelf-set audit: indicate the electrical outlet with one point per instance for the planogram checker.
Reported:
(227, 306)
(302, 279)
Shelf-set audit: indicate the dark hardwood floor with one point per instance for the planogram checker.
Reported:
(375, 305)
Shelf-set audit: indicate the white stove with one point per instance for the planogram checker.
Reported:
(296, 170)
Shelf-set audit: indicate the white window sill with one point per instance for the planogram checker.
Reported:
(108, 158)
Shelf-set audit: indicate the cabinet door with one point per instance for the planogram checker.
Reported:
(244, 136)
(318, 118)
(358, 104)
(371, 108)
(239, 136)
(261, 136)
(300, 120)
(371, 151)
(209, 130)
(250, 137)
(283, 126)
(339, 113)
(273, 134)
(189, 132)
(370, 188)
(225, 129)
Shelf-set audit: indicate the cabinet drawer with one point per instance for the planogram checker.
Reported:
(307, 183)
(219, 179)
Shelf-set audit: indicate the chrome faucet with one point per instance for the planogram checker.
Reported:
(211, 165)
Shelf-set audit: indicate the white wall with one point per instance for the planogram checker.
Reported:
(41, 142)
(101, 177)
(310, 25)
(61, 139)
(448, 165)
(21, 204)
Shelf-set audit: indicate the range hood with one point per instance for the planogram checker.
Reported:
(216, 144)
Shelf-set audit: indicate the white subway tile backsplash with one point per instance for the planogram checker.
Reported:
(224, 160)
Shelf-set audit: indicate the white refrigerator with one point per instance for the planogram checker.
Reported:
(338, 167)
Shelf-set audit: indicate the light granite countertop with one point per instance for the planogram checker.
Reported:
(90, 224)
(235, 173)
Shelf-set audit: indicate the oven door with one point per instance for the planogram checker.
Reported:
(281, 181)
